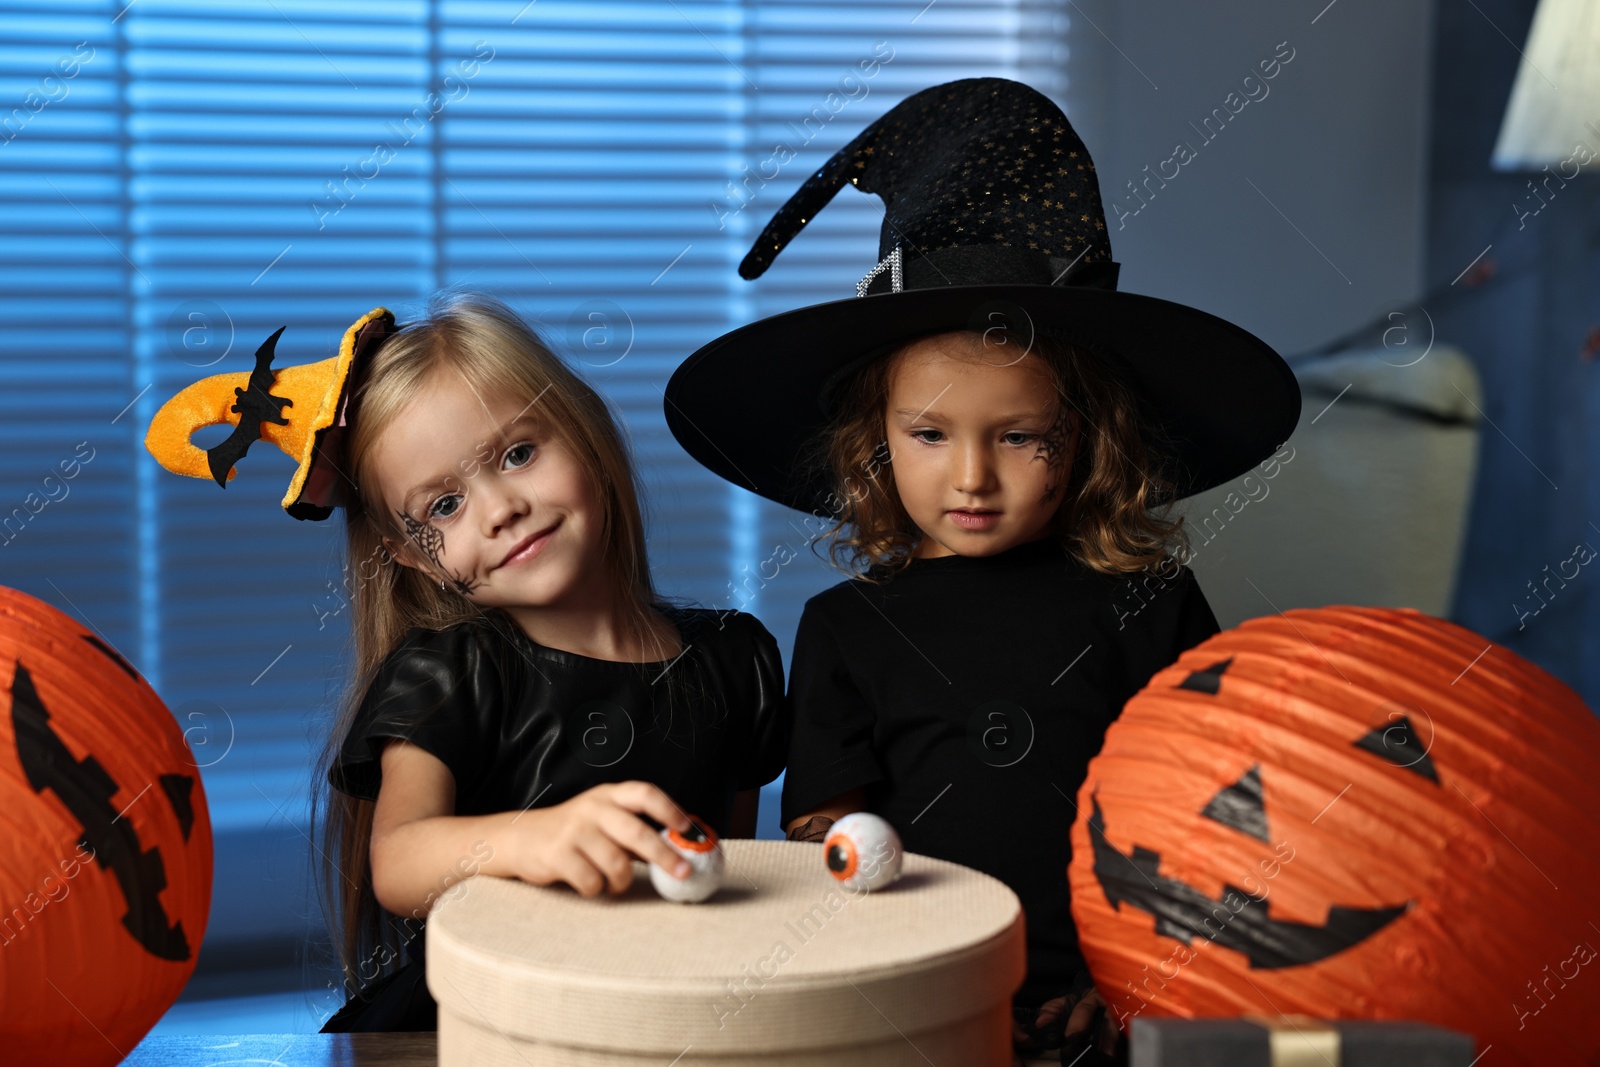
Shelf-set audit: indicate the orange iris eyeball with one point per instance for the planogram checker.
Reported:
(862, 852)
(699, 846)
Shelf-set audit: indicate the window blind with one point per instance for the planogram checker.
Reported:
(183, 178)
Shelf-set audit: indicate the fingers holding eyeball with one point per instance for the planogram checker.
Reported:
(645, 798)
(697, 846)
(641, 839)
(862, 851)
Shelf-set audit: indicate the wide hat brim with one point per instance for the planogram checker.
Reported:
(743, 404)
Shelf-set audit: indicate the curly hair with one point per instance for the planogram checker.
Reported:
(1113, 516)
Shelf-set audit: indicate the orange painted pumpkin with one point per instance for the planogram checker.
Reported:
(1350, 813)
(105, 845)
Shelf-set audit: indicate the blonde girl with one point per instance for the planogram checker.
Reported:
(522, 701)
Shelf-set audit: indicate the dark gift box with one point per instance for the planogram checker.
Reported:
(1294, 1041)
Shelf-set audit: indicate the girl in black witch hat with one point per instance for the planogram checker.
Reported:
(992, 436)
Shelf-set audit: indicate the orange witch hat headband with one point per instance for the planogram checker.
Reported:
(302, 409)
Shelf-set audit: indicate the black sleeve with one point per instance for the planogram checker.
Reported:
(767, 746)
(438, 690)
(832, 751)
(1195, 619)
(1178, 618)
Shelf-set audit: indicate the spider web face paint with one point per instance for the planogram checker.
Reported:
(1053, 446)
(431, 541)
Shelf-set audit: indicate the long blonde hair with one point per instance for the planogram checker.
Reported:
(486, 343)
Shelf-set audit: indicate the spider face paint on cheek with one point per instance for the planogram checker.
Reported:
(1054, 445)
(430, 540)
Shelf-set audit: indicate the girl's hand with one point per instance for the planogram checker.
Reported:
(1082, 1014)
(589, 842)
(1082, 1017)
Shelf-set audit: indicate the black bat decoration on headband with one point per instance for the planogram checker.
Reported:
(255, 405)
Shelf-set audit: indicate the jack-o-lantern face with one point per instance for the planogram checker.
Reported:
(105, 862)
(1183, 912)
(86, 790)
(1354, 813)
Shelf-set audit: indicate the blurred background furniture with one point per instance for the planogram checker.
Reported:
(1369, 506)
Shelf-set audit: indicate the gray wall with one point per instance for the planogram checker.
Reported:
(1303, 217)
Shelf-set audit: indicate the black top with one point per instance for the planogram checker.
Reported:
(522, 725)
(967, 696)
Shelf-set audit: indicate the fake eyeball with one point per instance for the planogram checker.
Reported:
(698, 845)
(862, 851)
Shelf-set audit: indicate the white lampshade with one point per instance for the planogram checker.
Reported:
(1551, 118)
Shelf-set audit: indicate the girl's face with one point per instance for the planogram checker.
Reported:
(487, 498)
(980, 445)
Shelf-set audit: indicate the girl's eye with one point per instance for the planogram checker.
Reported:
(525, 448)
(919, 435)
(1026, 437)
(435, 511)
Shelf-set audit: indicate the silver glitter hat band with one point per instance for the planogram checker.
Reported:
(984, 265)
(891, 262)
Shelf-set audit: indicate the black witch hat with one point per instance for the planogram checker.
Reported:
(992, 219)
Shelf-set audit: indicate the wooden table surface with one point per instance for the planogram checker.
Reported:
(287, 1050)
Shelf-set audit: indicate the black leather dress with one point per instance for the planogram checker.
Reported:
(521, 725)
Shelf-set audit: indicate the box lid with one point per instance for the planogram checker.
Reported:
(781, 958)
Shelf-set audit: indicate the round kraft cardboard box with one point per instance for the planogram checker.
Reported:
(782, 967)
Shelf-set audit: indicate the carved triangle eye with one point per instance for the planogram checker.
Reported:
(1398, 743)
(1240, 805)
(1208, 680)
